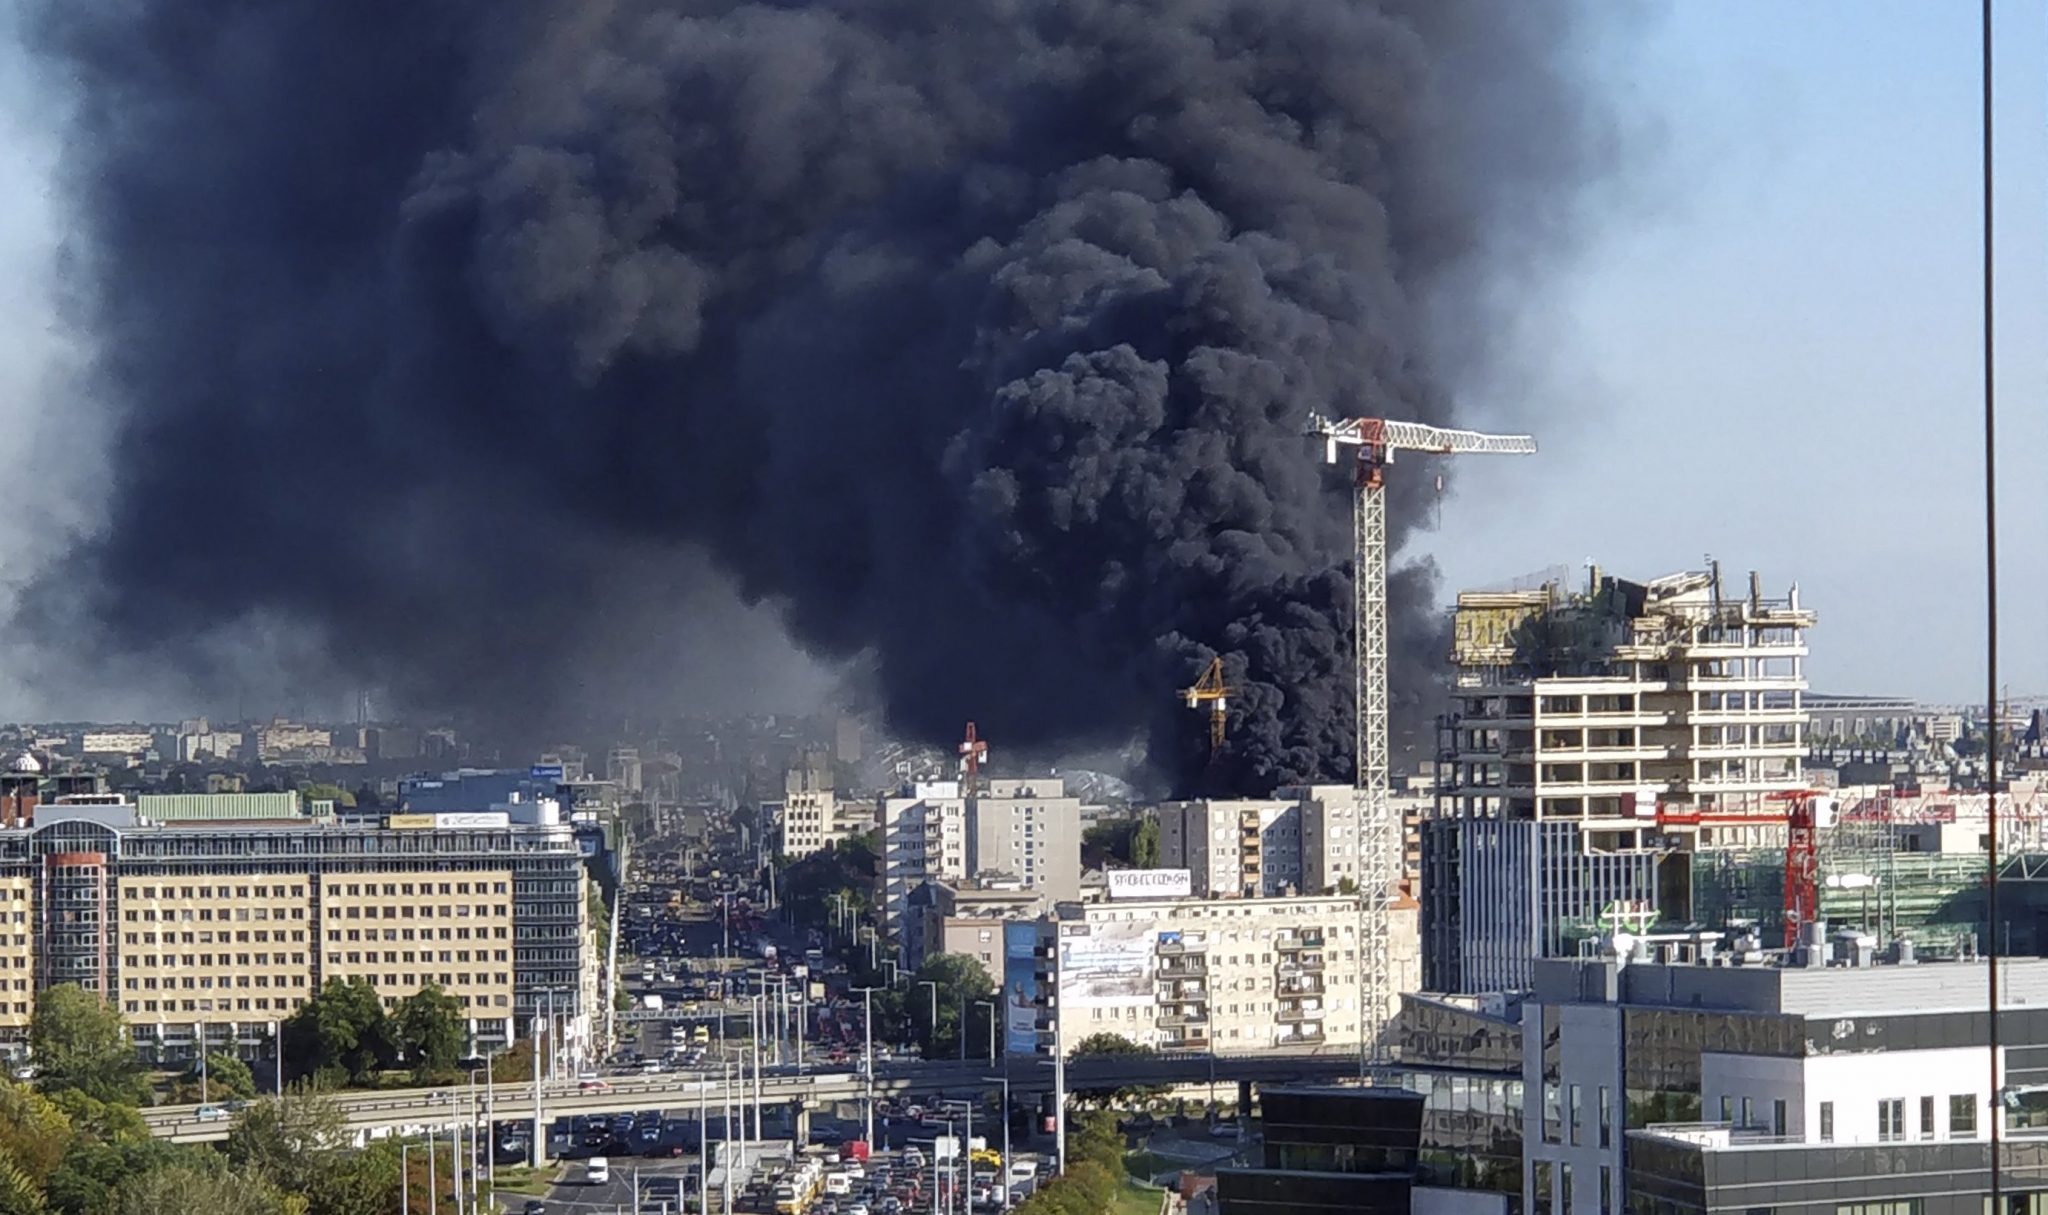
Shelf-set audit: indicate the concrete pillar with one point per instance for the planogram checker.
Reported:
(800, 1123)
(1244, 1100)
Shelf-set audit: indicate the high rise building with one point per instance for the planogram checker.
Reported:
(924, 839)
(1597, 740)
(810, 806)
(1028, 829)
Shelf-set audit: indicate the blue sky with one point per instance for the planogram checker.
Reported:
(1771, 351)
(1767, 352)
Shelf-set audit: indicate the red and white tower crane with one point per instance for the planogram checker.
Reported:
(973, 749)
(1379, 829)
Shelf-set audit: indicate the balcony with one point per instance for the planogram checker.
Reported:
(1192, 966)
(1183, 990)
(1177, 1020)
(1174, 949)
(1304, 941)
(1308, 1035)
(1309, 986)
(1307, 964)
(1295, 1016)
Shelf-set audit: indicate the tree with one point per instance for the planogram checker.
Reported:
(1145, 844)
(291, 1139)
(321, 791)
(959, 979)
(105, 1121)
(79, 1041)
(181, 1189)
(226, 1078)
(514, 1064)
(432, 1031)
(1108, 841)
(34, 1133)
(92, 1172)
(341, 1031)
(1109, 1045)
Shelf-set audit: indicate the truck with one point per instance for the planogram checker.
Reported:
(651, 1003)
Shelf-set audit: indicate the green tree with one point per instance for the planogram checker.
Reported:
(341, 1031)
(293, 1140)
(432, 1031)
(321, 791)
(1108, 841)
(514, 1064)
(92, 1171)
(359, 1181)
(79, 1041)
(105, 1121)
(959, 978)
(227, 1078)
(181, 1189)
(1145, 844)
(34, 1133)
(1109, 1045)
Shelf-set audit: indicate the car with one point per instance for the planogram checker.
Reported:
(597, 1171)
(594, 1086)
(534, 1206)
(210, 1113)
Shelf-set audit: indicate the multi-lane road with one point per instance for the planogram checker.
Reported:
(395, 1109)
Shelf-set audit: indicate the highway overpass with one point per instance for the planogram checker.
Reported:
(383, 1112)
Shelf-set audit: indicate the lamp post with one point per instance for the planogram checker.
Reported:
(990, 1005)
(404, 1180)
(932, 1038)
(867, 1064)
(277, 1050)
(539, 1143)
(1003, 1170)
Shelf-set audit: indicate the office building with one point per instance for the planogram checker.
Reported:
(1598, 739)
(810, 807)
(1688, 1079)
(231, 925)
(1347, 1151)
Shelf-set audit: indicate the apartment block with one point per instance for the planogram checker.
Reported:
(232, 925)
(967, 918)
(811, 815)
(924, 839)
(1596, 737)
(1304, 839)
(1228, 974)
(1029, 829)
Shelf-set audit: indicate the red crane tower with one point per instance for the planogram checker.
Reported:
(973, 749)
(1802, 859)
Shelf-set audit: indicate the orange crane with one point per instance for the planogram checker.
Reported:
(1211, 690)
(973, 749)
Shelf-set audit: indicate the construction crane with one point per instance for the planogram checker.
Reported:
(1806, 812)
(1211, 690)
(973, 749)
(1379, 830)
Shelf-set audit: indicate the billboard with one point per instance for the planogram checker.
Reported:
(410, 822)
(1020, 989)
(1149, 883)
(430, 822)
(1107, 962)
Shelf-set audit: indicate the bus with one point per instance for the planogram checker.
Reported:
(798, 1189)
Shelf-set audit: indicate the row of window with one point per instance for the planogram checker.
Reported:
(151, 960)
(1564, 1113)
(207, 983)
(457, 978)
(207, 938)
(423, 934)
(425, 911)
(1891, 1118)
(296, 891)
(1559, 1201)
(189, 915)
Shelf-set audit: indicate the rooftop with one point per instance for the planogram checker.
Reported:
(1810, 992)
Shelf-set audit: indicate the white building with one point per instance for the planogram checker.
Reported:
(1230, 974)
(1817, 1081)
(924, 839)
(115, 742)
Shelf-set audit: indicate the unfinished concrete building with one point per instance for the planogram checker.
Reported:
(1597, 737)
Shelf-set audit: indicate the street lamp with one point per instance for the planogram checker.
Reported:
(932, 1037)
(868, 1058)
(1003, 1172)
(990, 1005)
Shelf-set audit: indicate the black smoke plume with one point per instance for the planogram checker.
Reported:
(976, 335)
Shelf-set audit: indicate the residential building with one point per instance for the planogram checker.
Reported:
(1029, 829)
(810, 807)
(967, 918)
(282, 738)
(1304, 839)
(191, 923)
(1681, 1079)
(1213, 974)
(924, 839)
(1596, 737)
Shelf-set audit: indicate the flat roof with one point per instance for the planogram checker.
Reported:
(1812, 992)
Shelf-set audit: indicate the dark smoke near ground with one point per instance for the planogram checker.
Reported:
(976, 335)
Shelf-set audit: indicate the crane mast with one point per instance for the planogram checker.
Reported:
(1379, 829)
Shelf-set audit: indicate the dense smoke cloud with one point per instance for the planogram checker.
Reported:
(974, 335)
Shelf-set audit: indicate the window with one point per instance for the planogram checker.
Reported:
(1540, 1180)
(1749, 1111)
(1778, 1117)
(1727, 1108)
(1827, 1122)
(1606, 1117)
(1927, 1117)
(1572, 1121)
(1606, 1190)
(1962, 1116)
(1891, 1119)
(1564, 1185)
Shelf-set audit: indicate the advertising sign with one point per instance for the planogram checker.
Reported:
(1020, 989)
(410, 822)
(1106, 963)
(487, 818)
(1150, 883)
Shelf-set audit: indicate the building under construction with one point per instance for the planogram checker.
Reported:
(1601, 740)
